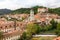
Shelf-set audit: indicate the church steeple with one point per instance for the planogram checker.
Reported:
(31, 15)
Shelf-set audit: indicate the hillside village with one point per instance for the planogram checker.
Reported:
(13, 25)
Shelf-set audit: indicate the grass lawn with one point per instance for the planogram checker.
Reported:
(43, 38)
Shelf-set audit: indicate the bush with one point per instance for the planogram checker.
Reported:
(57, 32)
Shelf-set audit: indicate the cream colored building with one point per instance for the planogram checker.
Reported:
(41, 10)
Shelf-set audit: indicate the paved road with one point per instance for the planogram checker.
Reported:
(43, 35)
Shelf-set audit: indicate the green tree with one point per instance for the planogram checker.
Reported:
(55, 11)
(58, 29)
(57, 32)
(58, 26)
(23, 37)
(1, 35)
(33, 28)
(53, 24)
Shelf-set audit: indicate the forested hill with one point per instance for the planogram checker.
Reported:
(56, 10)
(22, 10)
(27, 10)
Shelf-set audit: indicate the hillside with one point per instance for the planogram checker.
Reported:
(5, 11)
(21, 10)
(27, 10)
(56, 10)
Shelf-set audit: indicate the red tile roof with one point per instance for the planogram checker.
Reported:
(58, 38)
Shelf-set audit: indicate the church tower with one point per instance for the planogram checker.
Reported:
(47, 18)
(31, 18)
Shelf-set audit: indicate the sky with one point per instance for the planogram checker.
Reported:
(16, 4)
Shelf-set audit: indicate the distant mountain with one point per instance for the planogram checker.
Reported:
(5, 11)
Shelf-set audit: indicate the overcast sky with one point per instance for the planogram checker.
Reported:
(15, 4)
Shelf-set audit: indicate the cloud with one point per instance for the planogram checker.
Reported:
(15, 4)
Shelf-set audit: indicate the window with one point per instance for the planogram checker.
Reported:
(5, 26)
(10, 26)
(1, 27)
(17, 24)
